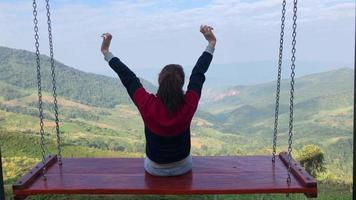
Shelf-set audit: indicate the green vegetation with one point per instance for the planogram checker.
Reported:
(312, 159)
(98, 119)
(323, 117)
(82, 87)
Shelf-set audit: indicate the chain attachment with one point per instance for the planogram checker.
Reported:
(292, 83)
(278, 89)
(39, 87)
(54, 88)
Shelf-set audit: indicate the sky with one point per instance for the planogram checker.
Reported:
(149, 34)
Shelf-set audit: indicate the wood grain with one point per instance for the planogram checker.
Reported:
(210, 175)
(34, 173)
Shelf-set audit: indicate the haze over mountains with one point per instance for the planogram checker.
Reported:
(248, 73)
(98, 118)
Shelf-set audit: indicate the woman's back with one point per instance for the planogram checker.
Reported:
(167, 116)
(168, 133)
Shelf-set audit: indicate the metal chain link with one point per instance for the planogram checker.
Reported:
(280, 60)
(294, 42)
(55, 104)
(40, 103)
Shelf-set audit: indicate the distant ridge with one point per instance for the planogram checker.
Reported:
(17, 68)
(308, 86)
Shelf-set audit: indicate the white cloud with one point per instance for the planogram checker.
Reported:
(149, 34)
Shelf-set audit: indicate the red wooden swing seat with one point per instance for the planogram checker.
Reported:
(210, 175)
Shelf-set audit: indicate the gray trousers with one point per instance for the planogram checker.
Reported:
(171, 169)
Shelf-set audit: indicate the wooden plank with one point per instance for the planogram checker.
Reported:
(298, 171)
(210, 175)
(131, 184)
(33, 174)
(209, 164)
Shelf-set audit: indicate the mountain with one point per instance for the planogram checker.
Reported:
(250, 73)
(319, 85)
(323, 113)
(240, 108)
(97, 117)
(18, 72)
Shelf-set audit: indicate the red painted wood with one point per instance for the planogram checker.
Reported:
(298, 171)
(300, 174)
(36, 171)
(210, 175)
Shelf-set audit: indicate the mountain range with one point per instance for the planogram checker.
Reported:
(98, 118)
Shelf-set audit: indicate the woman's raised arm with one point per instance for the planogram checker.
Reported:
(127, 77)
(197, 77)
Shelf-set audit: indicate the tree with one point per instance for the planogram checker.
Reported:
(311, 157)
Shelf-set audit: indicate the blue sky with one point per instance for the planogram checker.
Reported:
(149, 34)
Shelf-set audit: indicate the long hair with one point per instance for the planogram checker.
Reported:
(170, 90)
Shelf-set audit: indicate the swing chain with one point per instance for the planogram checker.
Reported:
(294, 42)
(55, 104)
(280, 60)
(40, 103)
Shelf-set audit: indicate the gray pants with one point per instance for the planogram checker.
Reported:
(171, 169)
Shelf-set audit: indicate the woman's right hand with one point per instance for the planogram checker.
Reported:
(207, 31)
(106, 42)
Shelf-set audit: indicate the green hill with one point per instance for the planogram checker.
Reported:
(307, 87)
(18, 68)
(318, 97)
(97, 117)
(323, 114)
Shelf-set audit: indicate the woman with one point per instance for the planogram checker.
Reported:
(168, 114)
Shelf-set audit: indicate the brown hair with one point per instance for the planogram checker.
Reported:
(170, 90)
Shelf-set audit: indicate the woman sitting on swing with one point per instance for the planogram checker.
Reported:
(168, 114)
